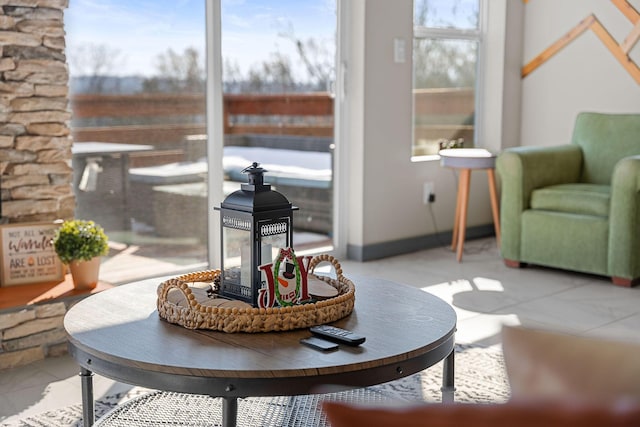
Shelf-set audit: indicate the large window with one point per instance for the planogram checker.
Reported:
(446, 50)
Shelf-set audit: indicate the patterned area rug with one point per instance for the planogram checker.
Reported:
(480, 378)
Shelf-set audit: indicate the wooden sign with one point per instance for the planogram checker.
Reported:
(286, 280)
(27, 254)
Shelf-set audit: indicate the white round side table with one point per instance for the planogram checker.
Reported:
(467, 159)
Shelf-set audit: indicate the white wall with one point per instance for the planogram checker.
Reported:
(387, 113)
(500, 93)
(584, 76)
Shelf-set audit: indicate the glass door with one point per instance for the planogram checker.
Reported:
(278, 73)
(137, 86)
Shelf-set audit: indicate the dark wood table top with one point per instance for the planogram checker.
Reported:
(118, 334)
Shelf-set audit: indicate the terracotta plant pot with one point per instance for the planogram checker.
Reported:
(85, 273)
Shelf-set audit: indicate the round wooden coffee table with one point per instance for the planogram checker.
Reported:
(118, 334)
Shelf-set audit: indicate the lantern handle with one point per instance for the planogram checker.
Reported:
(256, 176)
(254, 168)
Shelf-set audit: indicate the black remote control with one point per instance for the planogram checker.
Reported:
(337, 335)
(319, 344)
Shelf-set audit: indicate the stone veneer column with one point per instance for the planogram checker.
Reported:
(35, 136)
(31, 334)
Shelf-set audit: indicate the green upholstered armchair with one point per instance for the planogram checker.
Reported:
(576, 206)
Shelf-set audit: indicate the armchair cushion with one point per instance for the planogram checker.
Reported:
(586, 199)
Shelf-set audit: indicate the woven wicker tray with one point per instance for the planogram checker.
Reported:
(189, 310)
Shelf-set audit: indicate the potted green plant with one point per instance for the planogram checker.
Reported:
(80, 244)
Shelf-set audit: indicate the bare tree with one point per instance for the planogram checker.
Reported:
(319, 62)
(273, 75)
(276, 73)
(443, 63)
(316, 56)
(96, 61)
(231, 75)
(177, 72)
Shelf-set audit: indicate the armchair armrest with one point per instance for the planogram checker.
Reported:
(522, 170)
(624, 220)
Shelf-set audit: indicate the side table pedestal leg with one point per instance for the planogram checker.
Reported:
(463, 199)
(495, 210)
(456, 220)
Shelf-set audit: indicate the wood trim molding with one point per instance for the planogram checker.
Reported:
(619, 51)
(631, 39)
(558, 45)
(628, 10)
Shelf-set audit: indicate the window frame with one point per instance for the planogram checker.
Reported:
(420, 33)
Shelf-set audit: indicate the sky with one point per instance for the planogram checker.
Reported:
(135, 32)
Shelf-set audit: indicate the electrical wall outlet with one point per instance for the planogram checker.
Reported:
(429, 193)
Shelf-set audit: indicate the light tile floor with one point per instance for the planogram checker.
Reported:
(484, 293)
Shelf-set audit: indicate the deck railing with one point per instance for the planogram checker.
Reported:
(165, 120)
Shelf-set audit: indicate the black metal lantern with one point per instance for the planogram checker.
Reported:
(255, 223)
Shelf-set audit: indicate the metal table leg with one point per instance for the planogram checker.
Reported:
(86, 379)
(448, 378)
(229, 411)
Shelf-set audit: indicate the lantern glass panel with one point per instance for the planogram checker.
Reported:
(237, 260)
(274, 235)
(271, 244)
